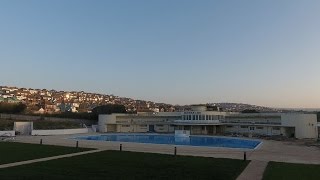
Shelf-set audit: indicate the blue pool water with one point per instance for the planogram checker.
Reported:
(171, 139)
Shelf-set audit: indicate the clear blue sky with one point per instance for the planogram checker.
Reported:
(174, 51)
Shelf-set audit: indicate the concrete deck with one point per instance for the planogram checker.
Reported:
(268, 151)
(254, 171)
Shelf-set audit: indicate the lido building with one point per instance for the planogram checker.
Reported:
(201, 120)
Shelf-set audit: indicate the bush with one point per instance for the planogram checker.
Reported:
(108, 109)
(6, 125)
(45, 124)
(71, 115)
(12, 108)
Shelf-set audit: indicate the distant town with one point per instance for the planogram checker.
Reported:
(43, 101)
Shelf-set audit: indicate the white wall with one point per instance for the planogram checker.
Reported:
(58, 132)
(171, 128)
(105, 119)
(263, 130)
(125, 128)
(141, 128)
(305, 124)
(7, 133)
(24, 128)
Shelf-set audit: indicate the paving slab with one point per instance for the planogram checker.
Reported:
(254, 171)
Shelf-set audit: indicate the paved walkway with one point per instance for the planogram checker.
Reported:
(46, 159)
(254, 171)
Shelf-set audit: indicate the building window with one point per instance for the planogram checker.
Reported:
(143, 125)
(125, 125)
(251, 128)
(244, 127)
(259, 127)
(207, 117)
(276, 128)
(159, 125)
(189, 117)
(229, 126)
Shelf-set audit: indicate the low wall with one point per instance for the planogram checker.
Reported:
(58, 132)
(7, 133)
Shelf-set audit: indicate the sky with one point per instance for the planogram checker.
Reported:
(173, 51)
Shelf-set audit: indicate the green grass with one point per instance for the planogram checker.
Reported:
(276, 170)
(13, 152)
(128, 165)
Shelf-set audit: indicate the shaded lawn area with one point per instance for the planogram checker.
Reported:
(128, 165)
(277, 170)
(13, 152)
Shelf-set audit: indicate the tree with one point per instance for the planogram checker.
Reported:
(109, 109)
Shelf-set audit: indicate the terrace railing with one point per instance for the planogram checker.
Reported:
(197, 121)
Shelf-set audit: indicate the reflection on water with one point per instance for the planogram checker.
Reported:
(182, 140)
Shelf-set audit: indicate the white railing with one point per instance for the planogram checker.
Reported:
(197, 121)
(7, 135)
(251, 122)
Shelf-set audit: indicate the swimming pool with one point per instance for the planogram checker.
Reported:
(173, 140)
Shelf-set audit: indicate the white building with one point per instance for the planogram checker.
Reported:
(141, 122)
(202, 121)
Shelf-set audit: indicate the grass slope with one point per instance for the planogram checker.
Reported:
(278, 171)
(13, 152)
(128, 165)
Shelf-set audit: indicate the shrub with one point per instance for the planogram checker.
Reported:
(45, 124)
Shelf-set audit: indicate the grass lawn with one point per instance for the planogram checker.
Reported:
(276, 170)
(128, 165)
(14, 152)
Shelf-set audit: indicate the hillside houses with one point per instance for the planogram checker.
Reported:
(53, 101)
